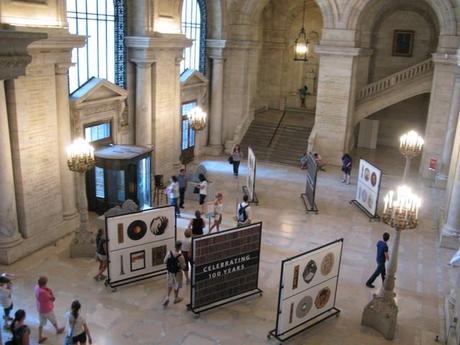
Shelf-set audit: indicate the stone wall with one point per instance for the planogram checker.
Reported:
(33, 13)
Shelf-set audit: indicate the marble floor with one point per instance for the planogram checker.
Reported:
(134, 315)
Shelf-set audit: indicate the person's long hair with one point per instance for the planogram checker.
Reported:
(19, 315)
(75, 307)
(201, 177)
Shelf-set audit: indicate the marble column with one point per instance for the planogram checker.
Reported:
(450, 233)
(215, 119)
(9, 234)
(143, 126)
(177, 116)
(65, 138)
(450, 130)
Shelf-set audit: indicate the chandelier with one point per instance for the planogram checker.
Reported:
(80, 156)
(197, 119)
(301, 45)
(401, 209)
(411, 144)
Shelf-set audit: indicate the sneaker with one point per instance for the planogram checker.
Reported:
(178, 300)
(370, 286)
(343, 181)
(42, 340)
(166, 301)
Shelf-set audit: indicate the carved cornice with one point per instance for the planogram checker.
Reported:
(62, 68)
(158, 41)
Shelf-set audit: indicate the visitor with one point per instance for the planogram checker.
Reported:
(382, 257)
(175, 263)
(203, 190)
(244, 212)
(218, 207)
(173, 194)
(319, 161)
(187, 252)
(304, 161)
(346, 168)
(6, 299)
(303, 93)
(101, 254)
(45, 305)
(236, 157)
(20, 331)
(78, 331)
(196, 224)
(182, 178)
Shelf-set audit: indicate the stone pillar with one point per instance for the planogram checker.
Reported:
(9, 234)
(143, 135)
(450, 130)
(177, 120)
(69, 209)
(215, 118)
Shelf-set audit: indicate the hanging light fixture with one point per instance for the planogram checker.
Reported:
(197, 119)
(301, 46)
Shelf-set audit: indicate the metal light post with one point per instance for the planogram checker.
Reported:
(411, 145)
(80, 159)
(401, 213)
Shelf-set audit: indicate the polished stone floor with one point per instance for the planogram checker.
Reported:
(134, 315)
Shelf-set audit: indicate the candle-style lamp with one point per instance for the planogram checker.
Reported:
(401, 212)
(80, 159)
(197, 119)
(411, 145)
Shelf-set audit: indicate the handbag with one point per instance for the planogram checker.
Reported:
(230, 160)
(196, 190)
(68, 340)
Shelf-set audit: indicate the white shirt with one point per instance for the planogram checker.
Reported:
(77, 325)
(173, 190)
(248, 211)
(5, 296)
(187, 244)
(204, 188)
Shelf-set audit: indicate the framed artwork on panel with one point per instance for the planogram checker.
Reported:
(137, 260)
(403, 43)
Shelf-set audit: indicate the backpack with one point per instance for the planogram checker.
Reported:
(242, 215)
(172, 264)
(100, 244)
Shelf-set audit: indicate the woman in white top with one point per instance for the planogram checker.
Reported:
(218, 209)
(78, 330)
(173, 194)
(203, 186)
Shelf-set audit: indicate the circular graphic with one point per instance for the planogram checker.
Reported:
(309, 271)
(323, 297)
(327, 264)
(137, 230)
(370, 201)
(303, 307)
(367, 174)
(373, 179)
(158, 225)
(363, 195)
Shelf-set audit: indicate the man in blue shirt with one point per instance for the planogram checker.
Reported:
(382, 257)
(182, 187)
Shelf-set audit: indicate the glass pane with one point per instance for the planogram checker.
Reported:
(191, 27)
(111, 51)
(100, 192)
(110, 8)
(81, 5)
(92, 8)
(143, 183)
(102, 59)
(192, 137)
(97, 132)
(115, 187)
(71, 6)
(184, 134)
(92, 48)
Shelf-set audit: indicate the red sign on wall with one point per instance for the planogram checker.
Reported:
(433, 164)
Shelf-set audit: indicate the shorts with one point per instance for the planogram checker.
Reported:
(81, 338)
(44, 317)
(218, 218)
(175, 280)
(202, 198)
(101, 257)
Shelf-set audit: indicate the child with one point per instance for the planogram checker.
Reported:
(187, 252)
(6, 298)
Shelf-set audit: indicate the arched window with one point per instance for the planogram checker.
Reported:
(194, 27)
(103, 22)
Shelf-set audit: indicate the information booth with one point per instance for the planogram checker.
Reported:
(122, 172)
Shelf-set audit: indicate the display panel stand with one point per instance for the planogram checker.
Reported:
(308, 197)
(254, 199)
(307, 324)
(309, 208)
(375, 218)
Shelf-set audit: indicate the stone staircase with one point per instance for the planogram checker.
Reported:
(279, 137)
(407, 83)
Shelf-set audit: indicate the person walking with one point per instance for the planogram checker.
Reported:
(346, 168)
(173, 194)
(78, 332)
(187, 252)
(196, 225)
(6, 298)
(45, 305)
(244, 212)
(19, 330)
(175, 263)
(182, 178)
(236, 159)
(218, 205)
(203, 187)
(382, 257)
(101, 254)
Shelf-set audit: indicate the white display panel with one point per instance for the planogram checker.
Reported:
(251, 177)
(367, 191)
(309, 270)
(138, 242)
(308, 286)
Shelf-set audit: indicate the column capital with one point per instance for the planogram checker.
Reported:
(62, 68)
(143, 63)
